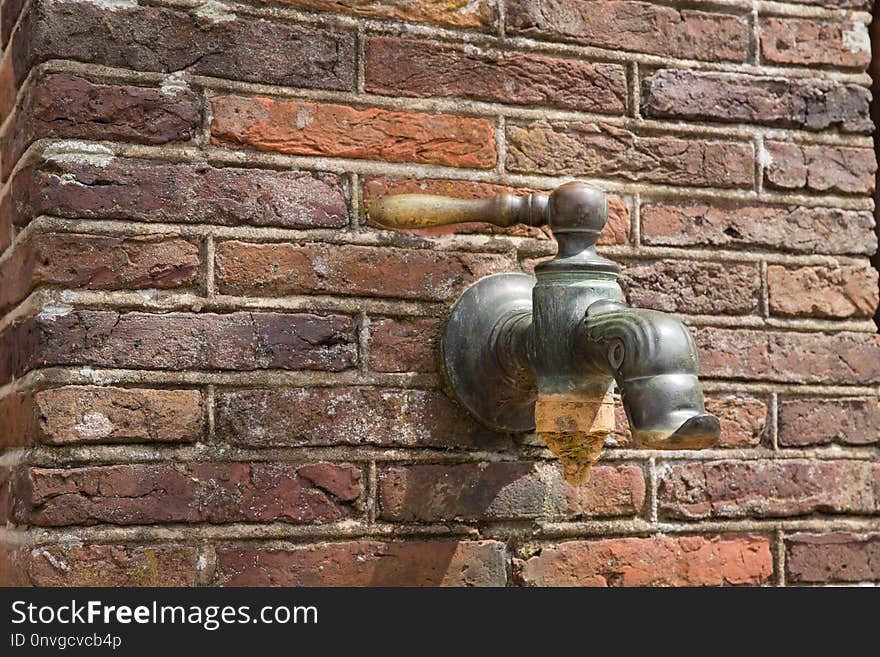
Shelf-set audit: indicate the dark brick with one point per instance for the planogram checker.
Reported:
(70, 107)
(687, 286)
(193, 492)
(592, 149)
(654, 561)
(416, 68)
(404, 345)
(285, 268)
(499, 491)
(848, 421)
(18, 423)
(841, 557)
(839, 358)
(98, 263)
(638, 26)
(169, 40)
(768, 489)
(731, 97)
(786, 228)
(336, 416)
(366, 563)
(153, 190)
(180, 341)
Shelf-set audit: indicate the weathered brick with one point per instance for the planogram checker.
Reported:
(820, 168)
(11, 569)
(106, 187)
(777, 101)
(811, 42)
(6, 495)
(169, 40)
(17, 420)
(95, 414)
(323, 129)
(687, 286)
(407, 67)
(366, 563)
(403, 345)
(840, 292)
(335, 416)
(179, 341)
(8, 89)
(840, 358)
(849, 421)
(9, 13)
(654, 561)
(593, 149)
(303, 268)
(70, 107)
(479, 14)
(839, 557)
(98, 263)
(786, 228)
(623, 25)
(768, 489)
(188, 492)
(616, 229)
(109, 565)
(508, 490)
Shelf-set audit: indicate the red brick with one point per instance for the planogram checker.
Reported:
(508, 490)
(322, 129)
(152, 190)
(591, 149)
(407, 67)
(98, 263)
(687, 286)
(654, 561)
(188, 492)
(11, 570)
(336, 416)
(179, 341)
(848, 421)
(366, 563)
(616, 230)
(281, 269)
(403, 345)
(109, 565)
(66, 106)
(95, 414)
(479, 14)
(768, 489)
(743, 421)
(776, 101)
(839, 358)
(840, 292)
(169, 40)
(17, 420)
(6, 495)
(623, 25)
(820, 168)
(786, 228)
(841, 557)
(9, 13)
(810, 42)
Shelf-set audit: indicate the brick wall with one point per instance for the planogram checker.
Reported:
(212, 372)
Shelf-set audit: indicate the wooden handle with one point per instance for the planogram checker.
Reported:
(404, 211)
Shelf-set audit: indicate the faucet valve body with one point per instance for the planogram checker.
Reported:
(543, 353)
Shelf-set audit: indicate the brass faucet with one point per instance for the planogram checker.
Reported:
(542, 353)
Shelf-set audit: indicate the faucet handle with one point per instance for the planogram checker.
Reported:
(405, 211)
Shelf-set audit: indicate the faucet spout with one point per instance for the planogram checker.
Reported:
(653, 359)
